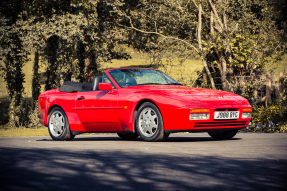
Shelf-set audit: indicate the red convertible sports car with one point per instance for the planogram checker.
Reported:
(141, 102)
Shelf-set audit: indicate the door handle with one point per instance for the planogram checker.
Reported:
(80, 98)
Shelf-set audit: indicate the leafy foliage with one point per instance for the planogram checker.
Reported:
(14, 56)
(68, 35)
(271, 118)
(73, 38)
(237, 37)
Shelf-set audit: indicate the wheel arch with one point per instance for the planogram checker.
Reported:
(143, 101)
(52, 107)
(137, 108)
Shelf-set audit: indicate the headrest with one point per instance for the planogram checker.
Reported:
(130, 81)
(96, 81)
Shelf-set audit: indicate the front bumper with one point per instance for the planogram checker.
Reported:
(178, 119)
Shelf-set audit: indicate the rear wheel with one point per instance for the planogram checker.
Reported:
(223, 135)
(149, 123)
(128, 136)
(58, 125)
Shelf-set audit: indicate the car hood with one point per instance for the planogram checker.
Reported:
(194, 96)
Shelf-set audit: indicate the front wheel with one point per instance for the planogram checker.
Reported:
(149, 123)
(58, 125)
(223, 135)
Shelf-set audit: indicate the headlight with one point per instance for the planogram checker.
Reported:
(195, 116)
(246, 115)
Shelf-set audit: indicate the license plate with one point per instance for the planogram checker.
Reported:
(226, 114)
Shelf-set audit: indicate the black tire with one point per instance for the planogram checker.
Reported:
(128, 136)
(165, 136)
(157, 133)
(223, 135)
(58, 125)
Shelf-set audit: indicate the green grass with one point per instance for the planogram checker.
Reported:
(24, 132)
(27, 132)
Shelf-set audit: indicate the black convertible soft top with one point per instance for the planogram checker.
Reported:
(75, 87)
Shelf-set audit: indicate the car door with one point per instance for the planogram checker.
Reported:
(98, 110)
(97, 107)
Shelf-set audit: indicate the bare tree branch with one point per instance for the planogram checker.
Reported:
(211, 22)
(259, 101)
(155, 26)
(195, 4)
(216, 15)
(157, 33)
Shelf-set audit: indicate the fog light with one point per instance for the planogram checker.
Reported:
(246, 115)
(196, 116)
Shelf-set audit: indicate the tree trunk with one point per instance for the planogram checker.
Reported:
(35, 81)
(268, 90)
(51, 71)
(221, 64)
(200, 47)
(223, 76)
(74, 77)
(78, 65)
(91, 68)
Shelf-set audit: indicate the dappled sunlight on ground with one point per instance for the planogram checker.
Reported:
(55, 167)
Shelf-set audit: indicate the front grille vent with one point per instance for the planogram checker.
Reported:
(221, 124)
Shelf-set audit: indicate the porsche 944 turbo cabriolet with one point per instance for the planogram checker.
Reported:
(141, 102)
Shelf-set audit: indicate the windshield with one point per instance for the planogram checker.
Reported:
(136, 77)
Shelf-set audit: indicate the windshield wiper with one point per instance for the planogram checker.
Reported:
(174, 84)
(149, 84)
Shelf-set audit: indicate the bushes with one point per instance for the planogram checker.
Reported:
(18, 116)
(4, 105)
(272, 118)
(269, 119)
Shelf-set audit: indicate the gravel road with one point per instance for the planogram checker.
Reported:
(186, 161)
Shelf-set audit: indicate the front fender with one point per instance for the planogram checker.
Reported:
(130, 103)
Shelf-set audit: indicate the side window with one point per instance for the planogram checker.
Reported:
(106, 79)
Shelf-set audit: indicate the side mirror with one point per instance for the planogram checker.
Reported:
(106, 86)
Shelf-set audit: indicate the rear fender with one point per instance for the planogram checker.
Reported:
(51, 103)
(73, 119)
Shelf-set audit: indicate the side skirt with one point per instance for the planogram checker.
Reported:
(81, 132)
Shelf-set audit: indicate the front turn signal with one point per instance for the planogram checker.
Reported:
(247, 109)
(199, 110)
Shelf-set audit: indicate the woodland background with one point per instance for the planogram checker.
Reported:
(225, 44)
